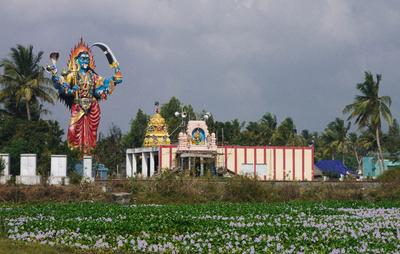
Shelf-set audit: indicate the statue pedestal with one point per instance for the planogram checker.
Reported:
(58, 180)
(87, 169)
(4, 179)
(28, 180)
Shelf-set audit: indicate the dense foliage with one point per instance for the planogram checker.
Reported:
(110, 150)
(41, 137)
(24, 86)
(327, 227)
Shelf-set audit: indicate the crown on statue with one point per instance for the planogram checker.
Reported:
(79, 48)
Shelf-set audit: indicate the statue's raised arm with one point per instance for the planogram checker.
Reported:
(106, 86)
(80, 88)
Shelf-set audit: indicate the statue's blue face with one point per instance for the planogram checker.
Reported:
(84, 61)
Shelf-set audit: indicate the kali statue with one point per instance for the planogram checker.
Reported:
(80, 88)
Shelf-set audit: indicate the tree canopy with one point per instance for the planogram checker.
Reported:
(369, 108)
(24, 84)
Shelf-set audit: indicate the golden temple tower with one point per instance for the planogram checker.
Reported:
(156, 131)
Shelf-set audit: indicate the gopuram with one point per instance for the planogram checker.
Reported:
(157, 131)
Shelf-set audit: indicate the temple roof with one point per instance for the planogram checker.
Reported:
(156, 131)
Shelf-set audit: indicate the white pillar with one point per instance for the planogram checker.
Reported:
(87, 169)
(5, 157)
(134, 165)
(144, 165)
(58, 170)
(129, 170)
(28, 170)
(151, 164)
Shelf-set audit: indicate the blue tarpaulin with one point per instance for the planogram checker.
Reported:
(332, 166)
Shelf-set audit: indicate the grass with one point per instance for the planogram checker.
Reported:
(8, 246)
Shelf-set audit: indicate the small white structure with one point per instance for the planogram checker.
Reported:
(5, 175)
(87, 169)
(148, 157)
(28, 170)
(58, 170)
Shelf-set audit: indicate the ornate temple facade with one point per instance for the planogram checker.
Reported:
(198, 154)
(156, 132)
(195, 146)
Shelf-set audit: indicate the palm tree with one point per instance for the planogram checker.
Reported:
(23, 80)
(369, 108)
(268, 124)
(392, 139)
(335, 137)
(286, 134)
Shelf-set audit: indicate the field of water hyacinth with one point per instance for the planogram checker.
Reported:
(296, 227)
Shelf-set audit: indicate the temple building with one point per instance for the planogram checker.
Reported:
(196, 147)
(156, 135)
(198, 154)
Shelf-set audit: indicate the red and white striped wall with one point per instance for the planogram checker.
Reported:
(266, 162)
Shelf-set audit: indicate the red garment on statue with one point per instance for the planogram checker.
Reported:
(82, 130)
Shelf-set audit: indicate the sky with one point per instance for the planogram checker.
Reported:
(235, 59)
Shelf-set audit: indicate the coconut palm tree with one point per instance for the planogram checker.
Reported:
(268, 124)
(335, 137)
(286, 134)
(23, 80)
(368, 109)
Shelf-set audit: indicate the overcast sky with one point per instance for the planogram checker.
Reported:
(236, 59)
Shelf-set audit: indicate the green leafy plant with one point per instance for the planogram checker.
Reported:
(2, 226)
(74, 177)
(390, 176)
(308, 227)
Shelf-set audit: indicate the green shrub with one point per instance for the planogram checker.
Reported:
(134, 185)
(390, 176)
(2, 226)
(169, 185)
(74, 177)
(288, 192)
(245, 189)
(390, 185)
